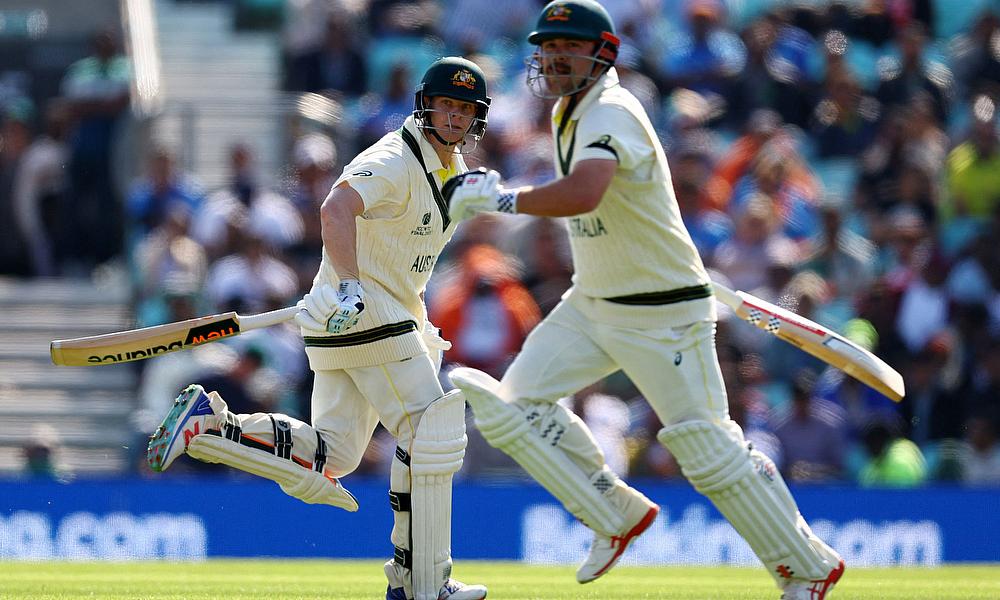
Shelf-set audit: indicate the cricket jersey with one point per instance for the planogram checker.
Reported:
(633, 249)
(400, 234)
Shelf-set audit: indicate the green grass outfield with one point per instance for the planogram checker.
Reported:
(343, 580)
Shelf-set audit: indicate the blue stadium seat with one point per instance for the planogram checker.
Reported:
(952, 17)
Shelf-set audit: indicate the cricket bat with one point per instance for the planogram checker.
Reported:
(815, 339)
(140, 344)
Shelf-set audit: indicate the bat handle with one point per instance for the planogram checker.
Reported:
(269, 318)
(727, 296)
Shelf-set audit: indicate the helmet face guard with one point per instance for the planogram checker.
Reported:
(602, 60)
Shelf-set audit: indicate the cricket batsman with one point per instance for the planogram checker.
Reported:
(374, 354)
(640, 302)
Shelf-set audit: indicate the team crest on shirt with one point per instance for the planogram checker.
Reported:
(464, 78)
(425, 225)
(559, 12)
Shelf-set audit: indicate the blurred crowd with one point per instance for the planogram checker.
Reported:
(838, 158)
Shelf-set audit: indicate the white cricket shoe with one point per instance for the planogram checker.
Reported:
(451, 590)
(605, 551)
(456, 590)
(192, 414)
(816, 589)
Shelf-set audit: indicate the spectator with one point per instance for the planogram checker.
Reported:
(548, 269)
(706, 57)
(981, 461)
(272, 217)
(386, 113)
(840, 256)
(761, 128)
(313, 159)
(984, 389)
(973, 180)
(708, 226)
(337, 67)
(845, 120)
(97, 90)
(252, 279)
(893, 461)
(15, 139)
(812, 434)
(485, 311)
(776, 76)
(163, 190)
(167, 259)
(745, 258)
(41, 454)
(975, 62)
(607, 417)
(911, 76)
(923, 307)
(775, 172)
(243, 382)
(934, 400)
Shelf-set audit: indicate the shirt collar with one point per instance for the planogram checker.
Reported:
(606, 81)
(431, 160)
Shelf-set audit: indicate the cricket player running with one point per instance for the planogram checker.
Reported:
(373, 351)
(640, 302)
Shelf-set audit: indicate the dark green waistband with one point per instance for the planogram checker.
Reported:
(361, 337)
(695, 292)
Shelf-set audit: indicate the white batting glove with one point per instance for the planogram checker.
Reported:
(332, 310)
(432, 337)
(477, 191)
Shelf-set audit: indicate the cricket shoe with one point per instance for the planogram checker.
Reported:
(456, 590)
(192, 414)
(817, 589)
(451, 590)
(605, 551)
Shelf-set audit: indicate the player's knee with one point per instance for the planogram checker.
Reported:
(711, 456)
(440, 440)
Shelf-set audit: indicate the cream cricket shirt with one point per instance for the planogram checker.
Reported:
(402, 231)
(633, 250)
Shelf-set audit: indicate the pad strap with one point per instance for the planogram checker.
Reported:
(403, 557)
(399, 501)
(231, 429)
(319, 461)
(282, 437)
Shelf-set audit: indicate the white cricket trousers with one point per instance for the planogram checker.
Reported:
(347, 405)
(675, 368)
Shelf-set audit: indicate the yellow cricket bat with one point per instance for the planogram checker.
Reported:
(815, 339)
(139, 344)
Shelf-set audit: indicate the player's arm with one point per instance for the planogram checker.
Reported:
(328, 309)
(339, 229)
(577, 193)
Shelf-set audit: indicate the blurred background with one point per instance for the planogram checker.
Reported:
(165, 159)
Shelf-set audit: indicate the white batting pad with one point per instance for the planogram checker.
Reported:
(507, 427)
(438, 452)
(748, 490)
(305, 484)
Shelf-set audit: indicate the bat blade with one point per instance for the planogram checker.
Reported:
(817, 340)
(139, 344)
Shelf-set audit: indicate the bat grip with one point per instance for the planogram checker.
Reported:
(727, 296)
(269, 318)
